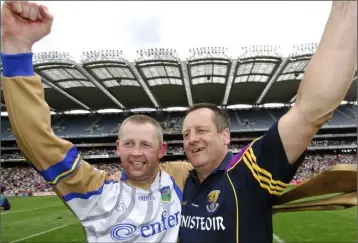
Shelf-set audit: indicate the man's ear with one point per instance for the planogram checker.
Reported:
(117, 147)
(163, 149)
(226, 135)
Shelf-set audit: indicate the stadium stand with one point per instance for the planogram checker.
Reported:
(241, 120)
(159, 79)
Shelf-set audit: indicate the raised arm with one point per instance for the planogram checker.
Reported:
(57, 160)
(326, 81)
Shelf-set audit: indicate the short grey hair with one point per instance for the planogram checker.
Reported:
(142, 119)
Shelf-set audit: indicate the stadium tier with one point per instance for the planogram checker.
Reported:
(94, 125)
(159, 79)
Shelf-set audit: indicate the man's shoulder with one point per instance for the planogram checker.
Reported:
(116, 176)
(271, 138)
(179, 171)
(176, 167)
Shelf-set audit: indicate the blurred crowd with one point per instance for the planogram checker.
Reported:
(173, 124)
(173, 149)
(325, 142)
(95, 151)
(103, 152)
(11, 156)
(316, 163)
(21, 179)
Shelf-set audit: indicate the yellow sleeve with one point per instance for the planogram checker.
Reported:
(178, 170)
(57, 160)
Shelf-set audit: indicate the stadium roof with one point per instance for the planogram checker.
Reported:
(160, 79)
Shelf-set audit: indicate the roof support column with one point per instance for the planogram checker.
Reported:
(184, 69)
(98, 85)
(230, 81)
(63, 92)
(272, 80)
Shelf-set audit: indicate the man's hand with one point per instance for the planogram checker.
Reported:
(23, 24)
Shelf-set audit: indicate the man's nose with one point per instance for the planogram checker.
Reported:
(136, 152)
(193, 138)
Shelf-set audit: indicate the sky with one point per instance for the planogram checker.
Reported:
(135, 25)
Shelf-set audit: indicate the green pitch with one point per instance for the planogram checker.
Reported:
(47, 219)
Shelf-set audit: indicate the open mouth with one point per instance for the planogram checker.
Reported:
(137, 164)
(197, 150)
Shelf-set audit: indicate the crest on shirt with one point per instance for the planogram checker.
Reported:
(213, 197)
(120, 206)
(166, 194)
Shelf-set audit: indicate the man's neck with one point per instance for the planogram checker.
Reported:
(204, 171)
(144, 184)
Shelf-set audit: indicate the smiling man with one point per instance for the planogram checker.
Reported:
(141, 204)
(229, 198)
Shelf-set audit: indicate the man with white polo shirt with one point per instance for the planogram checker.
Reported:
(143, 204)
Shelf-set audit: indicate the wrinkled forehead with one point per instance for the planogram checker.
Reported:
(199, 118)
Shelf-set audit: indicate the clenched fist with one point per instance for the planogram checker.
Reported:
(23, 23)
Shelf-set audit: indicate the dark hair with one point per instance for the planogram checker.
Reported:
(3, 189)
(221, 118)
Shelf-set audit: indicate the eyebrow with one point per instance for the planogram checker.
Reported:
(198, 126)
(141, 141)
